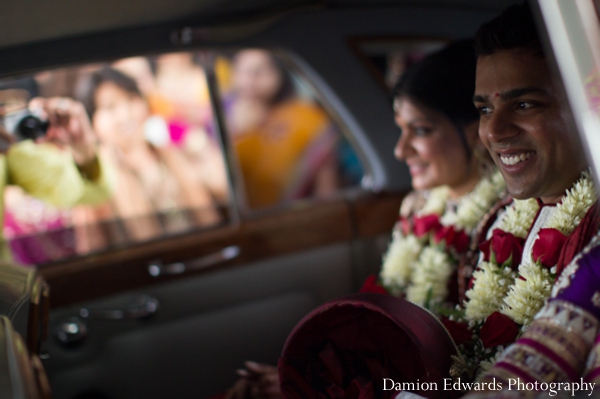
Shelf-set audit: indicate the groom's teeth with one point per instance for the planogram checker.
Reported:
(515, 159)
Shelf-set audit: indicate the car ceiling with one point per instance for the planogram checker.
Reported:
(31, 21)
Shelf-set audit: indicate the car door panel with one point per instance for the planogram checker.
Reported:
(206, 326)
(132, 365)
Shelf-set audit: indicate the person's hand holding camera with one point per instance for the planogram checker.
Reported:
(69, 127)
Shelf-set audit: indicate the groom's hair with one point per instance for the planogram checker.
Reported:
(514, 28)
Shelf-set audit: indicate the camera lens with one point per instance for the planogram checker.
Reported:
(32, 127)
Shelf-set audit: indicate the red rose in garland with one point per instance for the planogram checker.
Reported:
(453, 238)
(371, 285)
(459, 331)
(503, 245)
(426, 224)
(547, 247)
(498, 329)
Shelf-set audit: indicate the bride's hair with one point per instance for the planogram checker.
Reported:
(444, 82)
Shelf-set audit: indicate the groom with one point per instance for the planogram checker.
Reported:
(528, 132)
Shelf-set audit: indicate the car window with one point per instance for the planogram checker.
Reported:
(157, 147)
(286, 145)
(161, 149)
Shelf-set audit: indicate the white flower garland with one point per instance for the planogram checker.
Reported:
(487, 294)
(519, 217)
(497, 288)
(422, 270)
(527, 297)
(436, 202)
(475, 205)
(492, 285)
(398, 262)
(404, 250)
(575, 205)
(430, 281)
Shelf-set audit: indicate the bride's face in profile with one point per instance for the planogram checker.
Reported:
(433, 150)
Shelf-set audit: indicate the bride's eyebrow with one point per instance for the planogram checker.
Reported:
(420, 119)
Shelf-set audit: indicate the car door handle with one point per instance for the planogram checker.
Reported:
(157, 268)
(144, 306)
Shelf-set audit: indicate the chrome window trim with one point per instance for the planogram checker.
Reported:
(373, 171)
(574, 54)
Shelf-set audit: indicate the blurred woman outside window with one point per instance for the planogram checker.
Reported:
(285, 145)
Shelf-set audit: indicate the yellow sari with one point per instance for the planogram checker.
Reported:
(271, 155)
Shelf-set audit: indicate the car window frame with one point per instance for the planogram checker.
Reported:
(570, 35)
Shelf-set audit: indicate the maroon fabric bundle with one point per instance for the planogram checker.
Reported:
(346, 347)
(579, 238)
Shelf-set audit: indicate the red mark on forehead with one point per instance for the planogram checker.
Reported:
(496, 95)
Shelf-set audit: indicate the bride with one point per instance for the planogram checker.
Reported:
(453, 178)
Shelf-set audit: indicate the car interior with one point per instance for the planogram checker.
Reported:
(167, 301)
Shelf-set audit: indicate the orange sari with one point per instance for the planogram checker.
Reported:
(279, 158)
